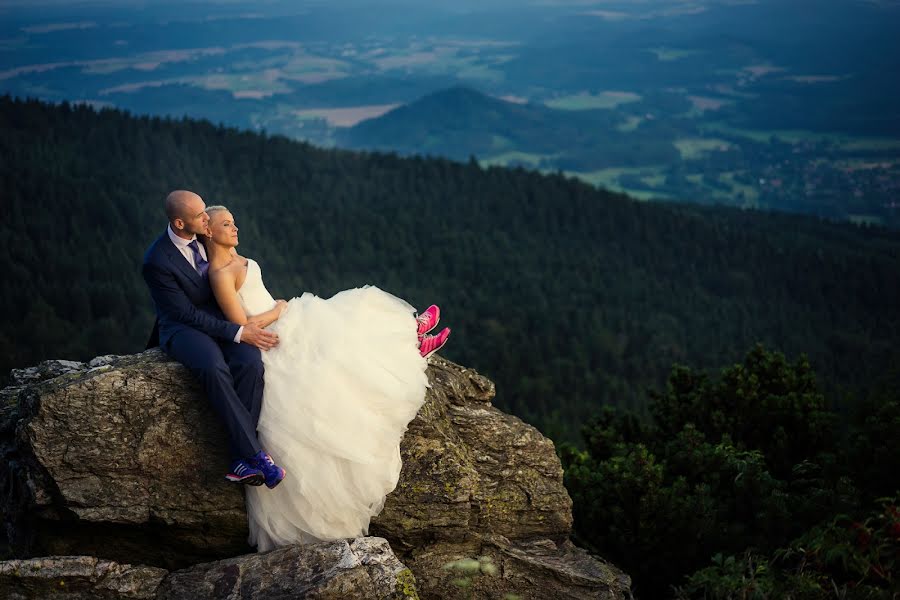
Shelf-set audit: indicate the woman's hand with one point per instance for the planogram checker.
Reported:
(280, 305)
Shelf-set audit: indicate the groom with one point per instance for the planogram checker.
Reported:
(191, 328)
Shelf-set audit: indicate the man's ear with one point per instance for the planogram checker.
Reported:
(178, 223)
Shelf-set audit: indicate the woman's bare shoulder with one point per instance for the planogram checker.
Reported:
(229, 270)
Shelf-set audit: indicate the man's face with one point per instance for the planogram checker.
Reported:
(194, 219)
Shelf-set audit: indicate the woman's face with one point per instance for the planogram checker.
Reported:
(222, 228)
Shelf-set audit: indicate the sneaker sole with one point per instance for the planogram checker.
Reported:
(253, 479)
(444, 343)
(436, 321)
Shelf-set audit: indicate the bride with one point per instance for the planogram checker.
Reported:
(340, 389)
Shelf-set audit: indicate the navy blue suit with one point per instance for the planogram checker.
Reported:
(192, 330)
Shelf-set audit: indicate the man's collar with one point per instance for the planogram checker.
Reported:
(178, 241)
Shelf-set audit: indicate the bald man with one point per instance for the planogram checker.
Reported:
(191, 328)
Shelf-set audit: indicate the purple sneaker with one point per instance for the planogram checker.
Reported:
(429, 344)
(243, 471)
(273, 473)
(428, 320)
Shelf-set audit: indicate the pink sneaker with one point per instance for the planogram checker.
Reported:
(429, 319)
(429, 344)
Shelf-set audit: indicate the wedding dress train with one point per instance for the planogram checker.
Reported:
(340, 388)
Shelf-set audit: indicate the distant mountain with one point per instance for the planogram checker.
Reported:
(460, 122)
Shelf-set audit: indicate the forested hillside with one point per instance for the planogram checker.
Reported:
(568, 297)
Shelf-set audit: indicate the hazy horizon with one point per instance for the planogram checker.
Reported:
(754, 103)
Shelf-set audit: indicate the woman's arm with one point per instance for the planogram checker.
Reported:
(223, 285)
(270, 316)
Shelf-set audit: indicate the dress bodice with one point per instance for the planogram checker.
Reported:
(254, 296)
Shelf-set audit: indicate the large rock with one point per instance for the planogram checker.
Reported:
(537, 568)
(119, 458)
(363, 569)
(122, 458)
(468, 467)
(77, 577)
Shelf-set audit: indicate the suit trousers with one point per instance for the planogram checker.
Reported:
(232, 376)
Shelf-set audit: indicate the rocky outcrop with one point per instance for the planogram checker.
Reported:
(122, 459)
(364, 569)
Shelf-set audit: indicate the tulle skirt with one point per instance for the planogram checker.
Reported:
(340, 389)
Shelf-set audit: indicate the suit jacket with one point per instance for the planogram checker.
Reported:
(182, 297)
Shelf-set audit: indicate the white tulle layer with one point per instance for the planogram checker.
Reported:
(340, 389)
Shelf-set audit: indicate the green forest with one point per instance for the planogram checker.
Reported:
(776, 476)
(745, 485)
(569, 297)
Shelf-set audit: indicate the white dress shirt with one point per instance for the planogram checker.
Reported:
(184, 248)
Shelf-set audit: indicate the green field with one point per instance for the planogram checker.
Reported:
(515, 158)
(866, 219)
(631, 123)
(655, 180)
(609, 179)
(864, 144)
(751, 194)
(587, 101)
(786, 135)
(481, 73)
(691, 148)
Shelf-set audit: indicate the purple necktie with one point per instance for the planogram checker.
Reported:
(201, 263)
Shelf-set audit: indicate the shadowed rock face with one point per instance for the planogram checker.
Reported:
(123, 459)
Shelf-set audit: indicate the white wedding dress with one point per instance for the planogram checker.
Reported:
(340, 388)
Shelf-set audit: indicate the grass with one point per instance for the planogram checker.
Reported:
(502, 143)
(346, 116)
(654, 177)
(480, 73)
(691, 148)
(252, 84)
(587, 101)
(858, 164)
(876, 144)
(751, 194)
(865, 219)
(843, 142)
(609, 179)
(515, 158)
(655, 180)
(760, 135)
(630, 124)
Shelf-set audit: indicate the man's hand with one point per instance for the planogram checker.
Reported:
(256, 336)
